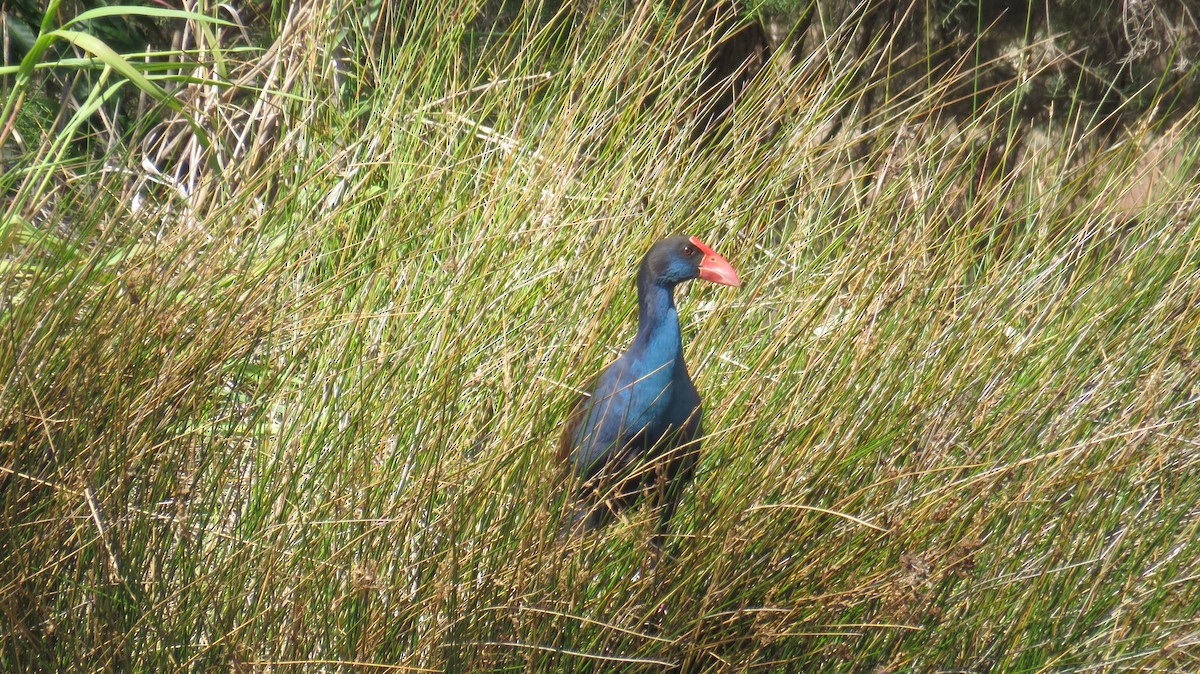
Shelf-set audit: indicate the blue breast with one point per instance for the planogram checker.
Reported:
(635, 399)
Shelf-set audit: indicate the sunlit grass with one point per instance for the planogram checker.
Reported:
(302, 415)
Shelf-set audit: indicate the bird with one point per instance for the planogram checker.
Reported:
(637, 433)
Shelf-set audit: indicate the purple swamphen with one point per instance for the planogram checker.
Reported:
(638, 432)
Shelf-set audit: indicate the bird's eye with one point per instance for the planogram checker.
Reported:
(689, 251)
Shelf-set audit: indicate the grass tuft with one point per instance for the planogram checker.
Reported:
(286, 398)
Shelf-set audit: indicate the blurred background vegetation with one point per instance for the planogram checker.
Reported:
(1114, 60)
(294, 297)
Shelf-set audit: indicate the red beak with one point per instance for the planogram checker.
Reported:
(714, 267)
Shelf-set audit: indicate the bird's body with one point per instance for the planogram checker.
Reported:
(638, 431)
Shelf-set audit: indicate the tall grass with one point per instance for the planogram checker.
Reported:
(294, 410)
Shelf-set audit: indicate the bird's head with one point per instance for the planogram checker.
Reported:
(681, 258)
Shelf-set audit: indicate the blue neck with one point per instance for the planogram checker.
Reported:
(658, 339)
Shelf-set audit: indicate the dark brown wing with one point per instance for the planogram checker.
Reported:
(565, 446)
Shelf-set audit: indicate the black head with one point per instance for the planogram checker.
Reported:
(681, 258)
